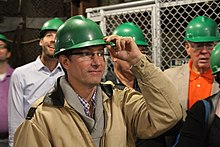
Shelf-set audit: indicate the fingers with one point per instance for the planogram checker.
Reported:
(120, 42)
(124, 48)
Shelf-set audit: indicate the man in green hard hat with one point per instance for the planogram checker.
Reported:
(31, 81)
(5, 76)
(123, 77)
(81, 111)
(202, 124)
(215, 63)
(194, 81)
(121, 74)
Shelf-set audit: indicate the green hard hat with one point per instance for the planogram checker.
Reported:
(78, 32)
(130, 29)
(3, 38)
(215, 59)
(202, 29)
(52, 24)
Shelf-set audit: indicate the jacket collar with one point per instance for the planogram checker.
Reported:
(55, 97)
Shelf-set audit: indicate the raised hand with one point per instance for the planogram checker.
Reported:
(125, 48)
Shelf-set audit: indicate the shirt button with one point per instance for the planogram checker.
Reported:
(198, 85)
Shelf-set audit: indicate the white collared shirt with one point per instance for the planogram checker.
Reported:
(28, 83)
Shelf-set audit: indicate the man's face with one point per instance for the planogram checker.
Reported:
(200, 54)
(85, 67)
(123, 67)
(47, 43)
(4, 53)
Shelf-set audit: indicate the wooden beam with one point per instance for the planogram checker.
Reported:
(78, 7)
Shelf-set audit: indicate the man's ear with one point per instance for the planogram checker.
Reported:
(64, 61)
(187, 47)
(8, 55)
(40, 42)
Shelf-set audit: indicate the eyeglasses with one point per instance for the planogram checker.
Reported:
(3, 47)
(200, 46)
(89, 55)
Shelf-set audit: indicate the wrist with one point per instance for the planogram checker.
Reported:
(135, 60)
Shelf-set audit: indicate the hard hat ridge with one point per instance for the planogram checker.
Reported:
(52, 24)
(132, 30)
(202, 29)
(78, 32)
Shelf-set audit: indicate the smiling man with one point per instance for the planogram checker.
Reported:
(31, 81)
(194, 80)
(81, 111)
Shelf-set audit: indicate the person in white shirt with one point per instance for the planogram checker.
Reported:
(31, 81)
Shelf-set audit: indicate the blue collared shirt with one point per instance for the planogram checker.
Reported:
(28, 83)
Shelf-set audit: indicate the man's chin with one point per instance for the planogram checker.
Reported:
(95, 82)
(2, 60)
(50, 56)
(204, 65)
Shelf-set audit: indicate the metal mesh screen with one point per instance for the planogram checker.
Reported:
(141, 19)
(25, 47)
(25, 42)
(45, 8)
(110, 20)
(163, 23)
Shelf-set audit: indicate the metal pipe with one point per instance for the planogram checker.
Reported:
(123, 5)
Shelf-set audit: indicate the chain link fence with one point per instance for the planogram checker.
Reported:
(174, 17)
(163, 23)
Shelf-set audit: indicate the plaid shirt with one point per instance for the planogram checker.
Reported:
(86, 105)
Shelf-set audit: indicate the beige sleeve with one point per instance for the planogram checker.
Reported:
(158, 109)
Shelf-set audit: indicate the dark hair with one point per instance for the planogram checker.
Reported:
(67, 54)
(43, 33)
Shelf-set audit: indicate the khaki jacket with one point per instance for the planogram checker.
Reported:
(180, 77)
(128, 115)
